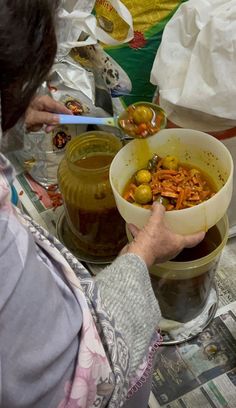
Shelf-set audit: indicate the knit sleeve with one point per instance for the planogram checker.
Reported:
(126, 291)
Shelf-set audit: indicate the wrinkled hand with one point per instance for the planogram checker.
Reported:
(156, 243)
(41, 111)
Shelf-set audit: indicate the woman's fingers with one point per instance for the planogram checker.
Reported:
(133, 229)
(49, 128)
(191, 241)
(36, 118)
(43, 110)
(156, 242)
(188, 241)
(46, 103)
(158, 210)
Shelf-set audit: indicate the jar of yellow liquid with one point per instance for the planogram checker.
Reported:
(90, 208)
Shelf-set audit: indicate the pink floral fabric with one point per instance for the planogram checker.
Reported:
(92, 384)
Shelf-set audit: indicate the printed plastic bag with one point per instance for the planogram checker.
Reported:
(94, 58)
(76, 18)
(195, 65)
(69, 80)
(81, 30)
(43, 152)
(135, 57)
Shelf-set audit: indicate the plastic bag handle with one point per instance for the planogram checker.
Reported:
(88, 23)
(125, 14)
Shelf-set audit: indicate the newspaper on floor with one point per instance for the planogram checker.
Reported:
(201, 372)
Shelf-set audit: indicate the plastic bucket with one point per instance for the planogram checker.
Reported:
(182, 288)
(191, 147)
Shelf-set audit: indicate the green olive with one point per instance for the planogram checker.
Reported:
(143, 194)
(143, 176)
(142, 114)
(162, 200)
(170, 163)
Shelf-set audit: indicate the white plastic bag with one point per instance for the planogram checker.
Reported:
(79, 29)
(195, 66)
(70, 81)
(75, 17)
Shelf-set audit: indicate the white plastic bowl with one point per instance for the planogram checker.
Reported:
(192, 147)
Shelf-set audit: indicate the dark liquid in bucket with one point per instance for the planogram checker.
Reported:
(184, 299)
(211, 241)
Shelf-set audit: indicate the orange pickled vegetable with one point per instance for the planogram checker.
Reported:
(176, 189)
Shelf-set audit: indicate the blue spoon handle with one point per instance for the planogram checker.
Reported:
(77, 120)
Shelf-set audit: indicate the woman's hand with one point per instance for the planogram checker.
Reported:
(156, 243)
(41, 111)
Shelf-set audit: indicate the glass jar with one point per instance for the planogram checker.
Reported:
(90, 208)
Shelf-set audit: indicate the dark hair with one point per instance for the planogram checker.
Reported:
(27, 51)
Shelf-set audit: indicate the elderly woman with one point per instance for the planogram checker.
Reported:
(67, 340)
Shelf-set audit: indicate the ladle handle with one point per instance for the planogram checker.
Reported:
(88, 120)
